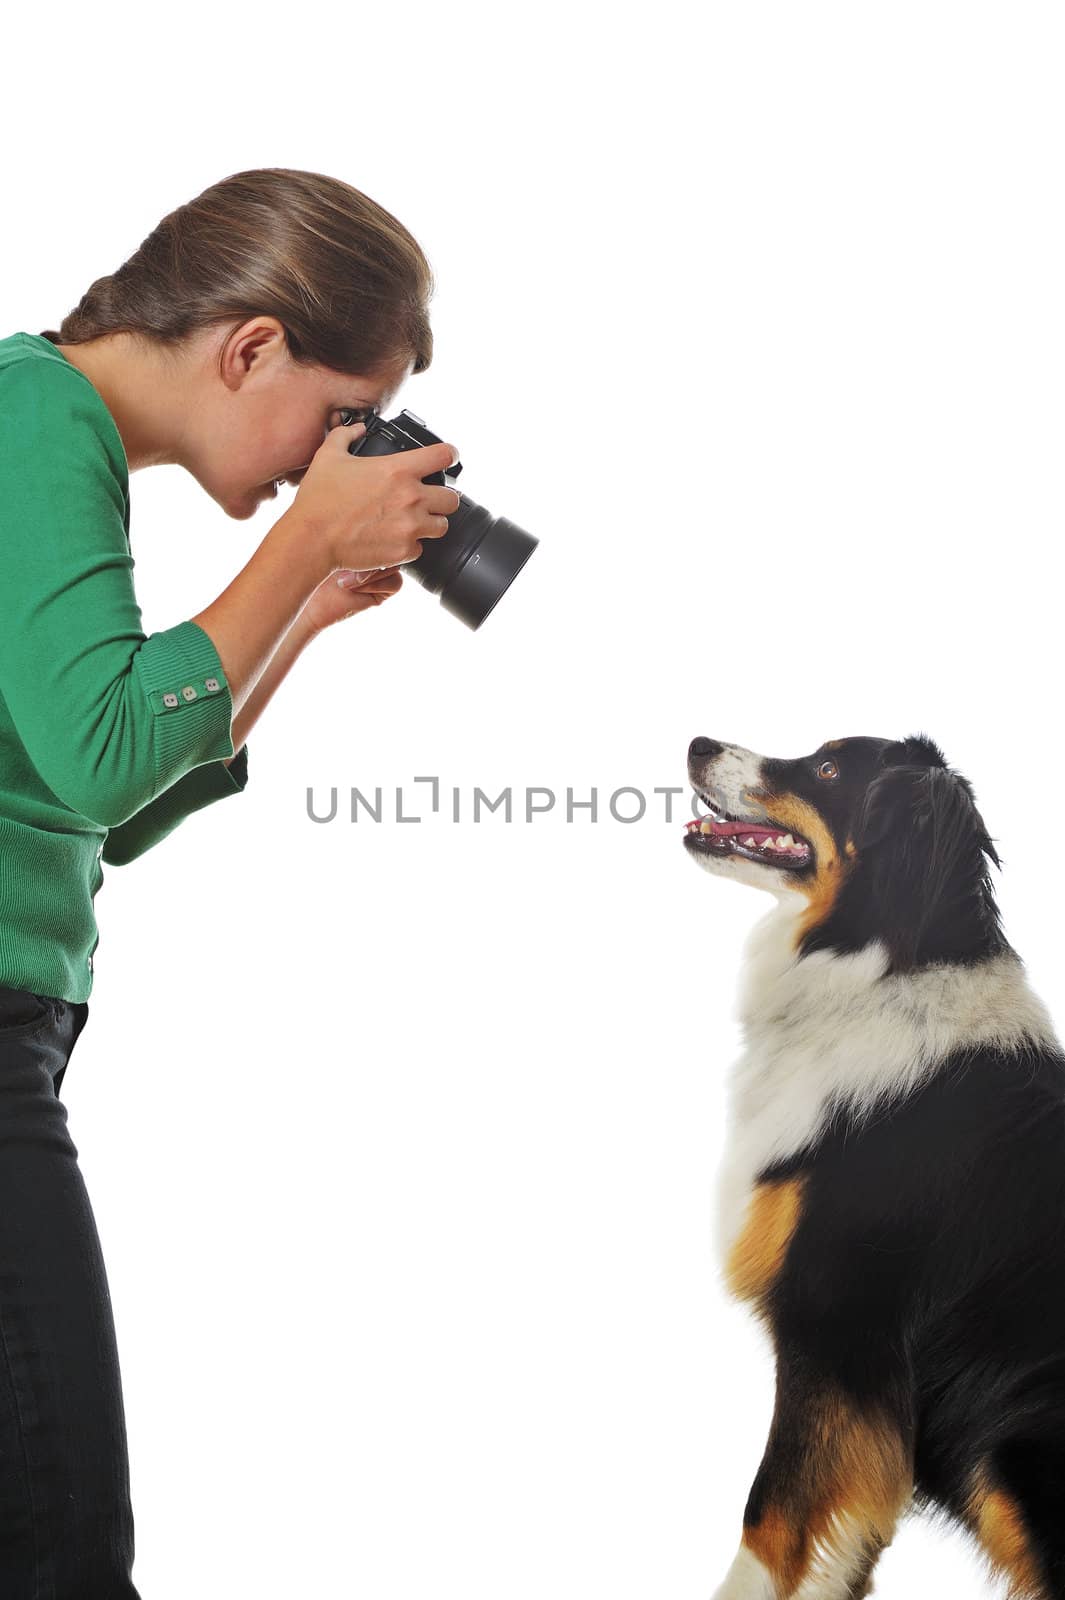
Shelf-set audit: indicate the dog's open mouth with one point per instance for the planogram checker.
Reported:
(721, 834)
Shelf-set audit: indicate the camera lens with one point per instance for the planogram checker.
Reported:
(474, 563)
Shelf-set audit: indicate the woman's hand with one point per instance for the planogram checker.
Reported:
(372, 511)
(331, 603)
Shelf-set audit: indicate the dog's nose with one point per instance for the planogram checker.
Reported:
(704, 747)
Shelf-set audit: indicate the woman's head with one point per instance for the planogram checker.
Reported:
(267, 303)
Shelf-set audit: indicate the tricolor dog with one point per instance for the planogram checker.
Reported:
(891, 1201)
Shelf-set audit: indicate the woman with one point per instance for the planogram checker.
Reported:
(236, 342)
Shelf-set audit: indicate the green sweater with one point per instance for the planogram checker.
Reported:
(109, 738)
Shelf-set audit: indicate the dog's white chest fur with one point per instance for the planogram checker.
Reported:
(832, 1027)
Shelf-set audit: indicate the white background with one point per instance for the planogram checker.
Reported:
(401, 1138)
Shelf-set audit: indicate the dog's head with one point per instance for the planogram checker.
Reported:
(880, 838)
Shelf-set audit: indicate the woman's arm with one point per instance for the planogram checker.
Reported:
(284, 658)
(205, 785)
(254, 618)
(343, 594)
(110, 716)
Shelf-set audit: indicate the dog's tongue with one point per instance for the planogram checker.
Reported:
(748, 829)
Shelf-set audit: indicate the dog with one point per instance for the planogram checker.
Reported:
(891, 1199)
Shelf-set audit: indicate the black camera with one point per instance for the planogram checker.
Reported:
(479, 556)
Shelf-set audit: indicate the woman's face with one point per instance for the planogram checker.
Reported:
(264, 415)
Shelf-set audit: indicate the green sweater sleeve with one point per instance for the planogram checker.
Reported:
(112, 719)
(198, 788)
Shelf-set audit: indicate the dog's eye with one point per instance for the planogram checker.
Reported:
(828, 769)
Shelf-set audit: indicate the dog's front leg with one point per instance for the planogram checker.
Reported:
(836, 1475)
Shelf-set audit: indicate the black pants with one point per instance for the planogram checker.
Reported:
(66, 1526)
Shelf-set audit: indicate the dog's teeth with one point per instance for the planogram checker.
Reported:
(706, 827)
(786, 842)
(749, 841)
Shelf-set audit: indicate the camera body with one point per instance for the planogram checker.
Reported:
(479, 556)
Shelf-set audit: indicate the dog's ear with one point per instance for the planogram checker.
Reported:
(924, 849)
(897, 797)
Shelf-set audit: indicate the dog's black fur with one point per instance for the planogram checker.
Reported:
(924, 890)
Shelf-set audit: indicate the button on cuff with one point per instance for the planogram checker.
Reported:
(173, 699)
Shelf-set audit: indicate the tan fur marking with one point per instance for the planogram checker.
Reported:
(758, 1253)
(858, 1479)
(821, 890)
(999, 1526)
(872, 1475)
(780, 1546)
